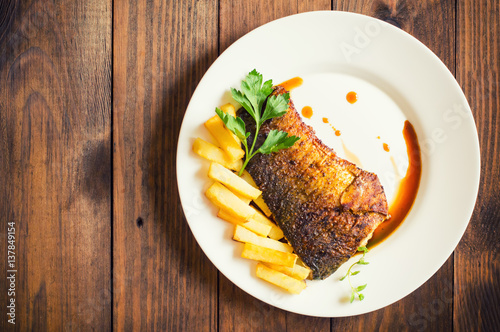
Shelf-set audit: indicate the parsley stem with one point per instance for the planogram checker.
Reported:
(249, 154)
(257, 129)
(244, 165)
(246, 158)
(349, 279)
(356, 290)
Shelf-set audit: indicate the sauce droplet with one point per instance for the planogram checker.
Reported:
(307, 112)
(408, 188)
(337, 132)
(378, 137)
(386, 147)
(352, 97)
(292, 83)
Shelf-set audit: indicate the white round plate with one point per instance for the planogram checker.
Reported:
(396, 78)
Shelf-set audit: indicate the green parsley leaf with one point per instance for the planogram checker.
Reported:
(255, 91)
(276, 106)
(243, 101)
(236, 125)
(277, 140)
(363, 249)
(362, 262)
(252, 97)
(360, 288)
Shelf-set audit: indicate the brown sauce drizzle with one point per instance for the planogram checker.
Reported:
(307, 112)
(292, 83)
(408, 188)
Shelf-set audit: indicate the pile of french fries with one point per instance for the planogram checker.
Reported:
(233, 195)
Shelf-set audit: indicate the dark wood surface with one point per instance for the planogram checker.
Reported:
(56, 162)
(92, 95)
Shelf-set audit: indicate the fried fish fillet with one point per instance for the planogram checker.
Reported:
(326, 206)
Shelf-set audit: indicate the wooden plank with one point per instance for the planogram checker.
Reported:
(162, 280)
(55, 163)
(239, 311)
(477, 287)
(430, 306)
(240, 17)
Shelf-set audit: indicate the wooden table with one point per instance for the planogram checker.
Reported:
(92, 95)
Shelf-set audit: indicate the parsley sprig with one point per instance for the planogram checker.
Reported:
(356, 290)
(252, 97)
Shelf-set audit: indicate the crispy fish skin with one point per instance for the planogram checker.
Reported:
(326, 206)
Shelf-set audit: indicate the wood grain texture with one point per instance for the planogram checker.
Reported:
(92, 95)
(477, 258)
(55, 162)
(162, 280)
(239, 311)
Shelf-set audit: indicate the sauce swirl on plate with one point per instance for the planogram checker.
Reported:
(408, 188)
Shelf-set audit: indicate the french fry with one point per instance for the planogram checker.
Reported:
(244, 199)
(251, 224)
(248, 178)
(258, 253)
(262, 205)
(225, 138)
(301, 263)
(242, 234)
(298, 272)
(256, 227)
(232, 181)
(229, 109)
(259, 200)
(276, 233)
(225, 199)
(280, 279)
(213, 153)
